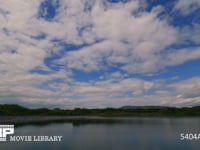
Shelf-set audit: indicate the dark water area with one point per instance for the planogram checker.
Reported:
(109, 134)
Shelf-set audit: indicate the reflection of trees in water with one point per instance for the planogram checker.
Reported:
(81, 121)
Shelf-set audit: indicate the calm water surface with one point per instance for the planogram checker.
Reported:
(111, 134)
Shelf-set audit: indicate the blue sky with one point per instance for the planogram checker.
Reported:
(100, 53)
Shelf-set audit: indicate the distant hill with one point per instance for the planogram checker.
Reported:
(144, 107)
(132, 111)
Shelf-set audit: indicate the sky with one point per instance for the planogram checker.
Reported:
(99, 53)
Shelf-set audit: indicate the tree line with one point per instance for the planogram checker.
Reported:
(134, 111)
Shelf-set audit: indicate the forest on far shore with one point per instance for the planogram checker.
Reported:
(132, 111)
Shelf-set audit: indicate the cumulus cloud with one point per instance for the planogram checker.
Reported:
(126, 40)
(42, 43)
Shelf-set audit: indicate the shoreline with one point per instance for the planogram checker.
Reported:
(43, 119)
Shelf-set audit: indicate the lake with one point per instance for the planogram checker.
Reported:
(110, 134)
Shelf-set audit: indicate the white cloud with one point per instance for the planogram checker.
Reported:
(126, 39)
(189, 88)
(181, 56)
(190, 33)
(187, 6)
(113, 35)
(19, 14)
